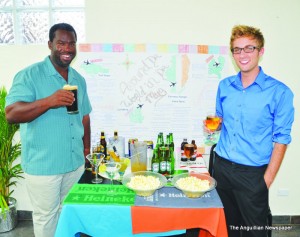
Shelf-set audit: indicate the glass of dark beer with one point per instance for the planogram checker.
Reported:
(73, 108)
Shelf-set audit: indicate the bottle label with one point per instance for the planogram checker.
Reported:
(102, 149)
(169, 166)
(155, 167)
(163, 166)
(183, 157)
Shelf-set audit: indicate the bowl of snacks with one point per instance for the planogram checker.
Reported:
(144, 183)
(193, 184)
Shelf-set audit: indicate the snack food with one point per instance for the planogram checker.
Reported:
(142, 182)
(193, 184)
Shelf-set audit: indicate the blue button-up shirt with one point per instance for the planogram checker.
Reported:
(52, 143)
(253, 118)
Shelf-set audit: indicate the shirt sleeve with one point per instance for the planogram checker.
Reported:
(21, 90)
(283, 118)
(219, 109)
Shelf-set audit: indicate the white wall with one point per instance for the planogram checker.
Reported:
(193, 22)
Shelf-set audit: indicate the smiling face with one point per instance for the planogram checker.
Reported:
(247, 62)
(63, 49)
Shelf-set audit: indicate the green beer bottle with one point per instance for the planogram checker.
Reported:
(171, 141)
(168, 162)
(155, 162)
(159, 141)
(171, 151)
(163, 160)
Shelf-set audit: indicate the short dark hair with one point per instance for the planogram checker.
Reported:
(60, 26)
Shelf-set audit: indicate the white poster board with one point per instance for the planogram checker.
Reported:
(143, 89)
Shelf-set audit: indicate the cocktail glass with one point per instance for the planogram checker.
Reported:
(112, 169)
(212, 128)
(124, 162)
(95, 159)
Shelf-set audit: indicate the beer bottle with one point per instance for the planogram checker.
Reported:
(160, 141)
(171, 151)
(157, 142)
(183, 157)
(172, 160)
(194, 156)
(103, 145)
(115, 135)
(155, 161)
(114, 145)
(167, 140)
(171, 141)
(168, 157)
(162, 160)
(98, 147)
(168, 162)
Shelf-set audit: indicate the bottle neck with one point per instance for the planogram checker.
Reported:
(115, 135)
(168, 140)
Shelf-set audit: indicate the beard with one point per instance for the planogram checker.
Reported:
(59, 61)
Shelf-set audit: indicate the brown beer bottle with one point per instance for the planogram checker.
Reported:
(193, 157)
(183, 157)
(103, 145)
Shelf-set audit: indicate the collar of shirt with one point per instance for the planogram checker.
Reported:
(53, 72)
(237, 81)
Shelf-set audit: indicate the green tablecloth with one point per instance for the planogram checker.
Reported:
(99, 194)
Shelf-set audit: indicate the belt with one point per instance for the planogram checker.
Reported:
(226, 161)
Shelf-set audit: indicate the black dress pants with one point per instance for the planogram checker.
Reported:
(245, 197)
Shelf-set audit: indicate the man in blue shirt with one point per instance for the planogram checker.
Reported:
(54, 143)
(257, 114)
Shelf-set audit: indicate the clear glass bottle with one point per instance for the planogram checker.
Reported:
(117, 143)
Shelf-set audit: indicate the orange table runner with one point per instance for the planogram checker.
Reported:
(153, 219)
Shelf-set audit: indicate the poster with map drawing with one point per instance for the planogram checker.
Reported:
(143, 89)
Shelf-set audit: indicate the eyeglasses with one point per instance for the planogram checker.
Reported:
(247, 49)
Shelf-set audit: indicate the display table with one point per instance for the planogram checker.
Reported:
(167, 212)
(211, 221)
(169, 209)
(97, 220)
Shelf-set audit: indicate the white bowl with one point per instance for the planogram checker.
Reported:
(143, 190)
(191, 193)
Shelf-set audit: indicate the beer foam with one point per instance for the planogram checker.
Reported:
(70, 87)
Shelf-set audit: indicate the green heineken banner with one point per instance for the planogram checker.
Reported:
(100, 194)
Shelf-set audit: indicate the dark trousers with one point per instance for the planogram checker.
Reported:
(245, 197)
